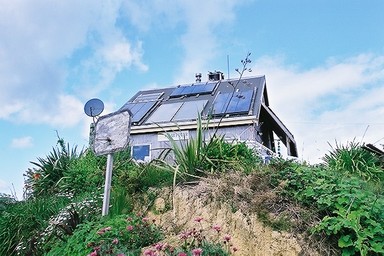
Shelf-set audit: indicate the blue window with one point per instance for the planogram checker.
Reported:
(141, 152)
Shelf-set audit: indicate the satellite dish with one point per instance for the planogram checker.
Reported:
(93, 107)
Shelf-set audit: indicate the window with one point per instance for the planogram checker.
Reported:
(141, 152)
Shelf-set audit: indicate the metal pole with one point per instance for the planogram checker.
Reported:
(107, 186)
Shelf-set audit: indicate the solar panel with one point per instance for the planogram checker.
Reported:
(220, 103)
(139, 110)
(189, 110)
(193, 90)
(164, 113)
(239, 103)
(149, 96)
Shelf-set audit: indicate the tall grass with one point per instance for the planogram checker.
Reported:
(352, 159)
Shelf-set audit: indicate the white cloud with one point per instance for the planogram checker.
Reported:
(23, 142)
(3, 186)
(333, 102)
(46, 44)
(200, 20)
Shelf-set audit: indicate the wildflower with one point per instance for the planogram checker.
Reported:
(197, 252)
(182, 254)
(94, 253)
(227, 238)
(101, 231)
(149, 252)
(115, 241)
(129, 219)
(107, 228)
(145, 219)
(36, 176)
(198, 219)
(130, 228)
(217, 228)
(159, 246)
(121, 254)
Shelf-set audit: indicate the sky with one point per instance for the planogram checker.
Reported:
(323, 61)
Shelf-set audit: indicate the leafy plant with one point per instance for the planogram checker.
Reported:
(197, 241)
(22, 222)
(122, 234)
(6, 200)
(354, 160)
(84, 174)
(351, 210)
(48, 172)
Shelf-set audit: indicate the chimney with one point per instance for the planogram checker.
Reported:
(198, 77)
(215, 76)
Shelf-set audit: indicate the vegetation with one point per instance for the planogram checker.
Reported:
(340, 201)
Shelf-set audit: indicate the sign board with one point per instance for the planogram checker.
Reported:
(177, 135)
(112, 133)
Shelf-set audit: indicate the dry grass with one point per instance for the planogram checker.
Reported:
(252, 193)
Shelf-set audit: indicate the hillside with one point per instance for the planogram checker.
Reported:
(215, 199)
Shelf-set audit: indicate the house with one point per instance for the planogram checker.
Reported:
(237, 109)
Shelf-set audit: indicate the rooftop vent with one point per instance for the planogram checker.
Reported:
(215, 76)
(198, 77)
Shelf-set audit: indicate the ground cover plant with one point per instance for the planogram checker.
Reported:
(119, 235)
(346, 193)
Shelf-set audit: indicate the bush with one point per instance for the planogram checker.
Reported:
(352, 211)
(44, 178)
(22, 222)
(353, 159)
(122, 234)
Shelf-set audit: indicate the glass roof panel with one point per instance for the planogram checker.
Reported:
(240, 103)
(220, 103)
(138, 110)
(189, 110)
(193, 90)
(244, 102)
(177, 92)
(164, 113)
(149, 96)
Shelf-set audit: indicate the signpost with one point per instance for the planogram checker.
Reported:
(111, 135)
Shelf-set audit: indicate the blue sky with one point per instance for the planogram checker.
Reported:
(323, 61)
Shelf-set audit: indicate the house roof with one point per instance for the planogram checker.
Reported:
(231, 98)
(232, 101)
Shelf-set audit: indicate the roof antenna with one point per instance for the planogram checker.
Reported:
(228, 65)
(366, 129)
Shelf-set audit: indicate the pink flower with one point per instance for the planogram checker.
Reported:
(101, 231)
(197, 252)
(94, 253)
(121, 254)
(145, 219)
(198, 219)
(158, 246)
(107, 228)
(149, 252)
(115, 241)
(217, 228)
(227, 238)
(129, 219)
(182, 254)
(130, 228)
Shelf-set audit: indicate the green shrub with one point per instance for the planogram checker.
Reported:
(352, 210)
(226, 156)
(85, 174)
(121, 234)
(352, 159)
(48, 172)
(22, 222)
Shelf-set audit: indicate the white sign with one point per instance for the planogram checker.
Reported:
(112, 133)
(178, 135)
